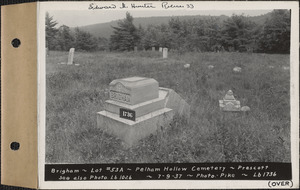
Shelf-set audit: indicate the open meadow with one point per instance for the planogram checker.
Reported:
(74, 94)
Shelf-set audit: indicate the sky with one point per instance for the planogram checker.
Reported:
(84, 17)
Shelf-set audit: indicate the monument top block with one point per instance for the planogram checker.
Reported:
(133, 90)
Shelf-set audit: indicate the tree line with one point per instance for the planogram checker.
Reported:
(63, 38)
(236, 33)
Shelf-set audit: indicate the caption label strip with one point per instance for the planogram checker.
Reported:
(184, 171)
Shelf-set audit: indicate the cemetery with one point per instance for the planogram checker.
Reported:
(190, 90)
(84, 105)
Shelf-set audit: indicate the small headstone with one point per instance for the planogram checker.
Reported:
(71, 56)
(229, 103)
(211, 66)
(165, 52)
(160, 49)
(135, 48)
(186, 65)
(153, 48)
(245, 108)
(237, 69)
(76, 64)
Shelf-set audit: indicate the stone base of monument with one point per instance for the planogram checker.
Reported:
(229, 103)
(149, 116)
(132, 131)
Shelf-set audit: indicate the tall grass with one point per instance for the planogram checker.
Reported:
(76, 93)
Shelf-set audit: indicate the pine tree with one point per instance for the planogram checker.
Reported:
(125, 36)
(238, 31)
(50, 32)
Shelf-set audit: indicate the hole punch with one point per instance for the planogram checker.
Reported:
(16, 43)
(15, 146)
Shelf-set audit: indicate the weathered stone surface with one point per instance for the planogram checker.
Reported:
(176, 103)
(165, 52)
(141, 108)
(160, 49)
(133, 90)
(186, 66)
(237, 69)
(229, 103)
(133, 131)
(245, 108)
(131, 121)
(229, 96)
(71, 56)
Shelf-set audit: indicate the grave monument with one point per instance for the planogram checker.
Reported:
(153, 48)
(229, 103)
(160, 49)
(135, 48)
(71, 56)
(138, 107)
(165, 52)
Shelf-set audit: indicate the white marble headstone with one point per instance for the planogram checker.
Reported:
(165, 52)
(71, 56)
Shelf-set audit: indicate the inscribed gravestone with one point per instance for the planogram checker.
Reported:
(71, 56)
(133, 90)
(229, 103)
(137, 108)
(165, 52)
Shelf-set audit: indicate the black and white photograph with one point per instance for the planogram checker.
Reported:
(168, 83)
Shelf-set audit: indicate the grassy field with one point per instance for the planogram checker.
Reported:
(76, 93)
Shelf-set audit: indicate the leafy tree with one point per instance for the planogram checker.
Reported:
(125, 36)
(50, 32)
(65, 40)
(85, 41)
(275, 37)
(103, 44)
